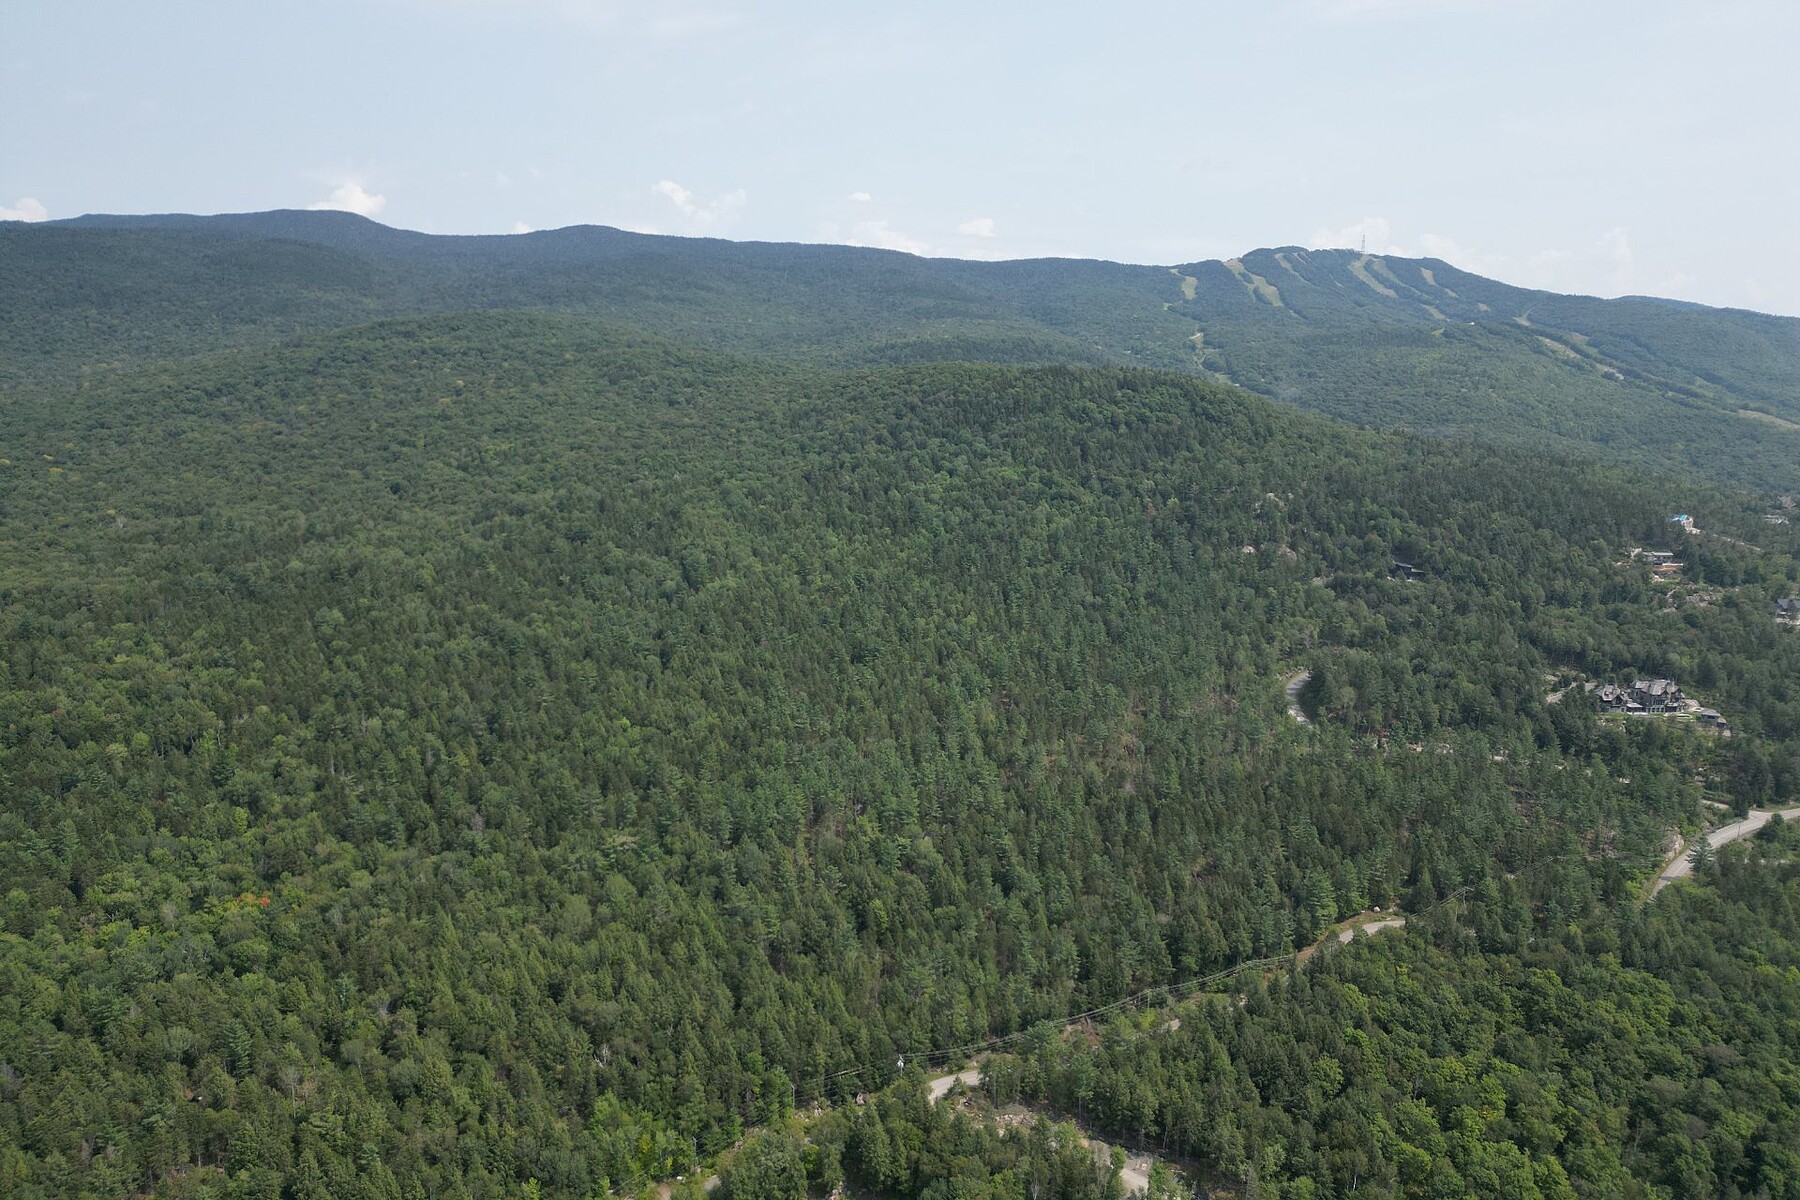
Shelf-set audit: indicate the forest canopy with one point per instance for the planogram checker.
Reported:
(498, 754)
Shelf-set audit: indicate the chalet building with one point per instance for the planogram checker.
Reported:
(1614, 698)
(1406, 571)
(1788, 610)
(1640, 696)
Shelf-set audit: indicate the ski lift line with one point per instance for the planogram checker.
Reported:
(936, 1057)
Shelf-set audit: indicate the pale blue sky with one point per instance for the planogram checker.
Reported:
(1598, 146)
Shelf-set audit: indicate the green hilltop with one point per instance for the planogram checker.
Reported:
(1376, 340)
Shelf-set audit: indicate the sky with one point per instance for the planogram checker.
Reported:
(1594, 146)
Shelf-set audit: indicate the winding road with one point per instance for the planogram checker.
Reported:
(1135, 1174)
(1678, 866)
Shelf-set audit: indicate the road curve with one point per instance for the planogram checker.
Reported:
(1295, 682)
(1679, 867)
(938, 1088)
(1370, 929)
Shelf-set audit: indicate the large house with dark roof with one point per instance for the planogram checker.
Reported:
(1640, 696)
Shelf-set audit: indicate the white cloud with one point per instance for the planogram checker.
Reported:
(882, 236)
(352, 197)
(981, 227)
(1607, 265)
(1378, 234)
(1375, 232)
(1539, 266)
(522, 227)
(1678, 284)
(678, 195)
(25, 208)
(859, 197)
(701, 216)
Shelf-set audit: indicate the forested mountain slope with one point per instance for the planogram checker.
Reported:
(1420, 344)
(455, 755)
(1384, 341)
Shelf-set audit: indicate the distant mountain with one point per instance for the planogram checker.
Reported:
(1412, 343)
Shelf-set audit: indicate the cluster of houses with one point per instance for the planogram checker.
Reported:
(1665, 568)
(1643, 697)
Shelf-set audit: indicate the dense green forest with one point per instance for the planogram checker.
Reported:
(1376, 340)
(497, 754)
(1628, 1053)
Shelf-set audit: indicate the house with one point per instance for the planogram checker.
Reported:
(1788, 610)
(1614, 698)
(1640, 697)
(1662, 563)
(1406, 571)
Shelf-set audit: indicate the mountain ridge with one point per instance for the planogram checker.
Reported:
(1378, 340)
(310, 225)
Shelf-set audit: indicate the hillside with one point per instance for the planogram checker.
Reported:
(1419, 344)
(489, 752)
(1388, 342)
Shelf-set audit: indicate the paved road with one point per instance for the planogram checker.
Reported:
(940, 1087)
(1371, 929)
(1295, 682)
(1679, 867)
